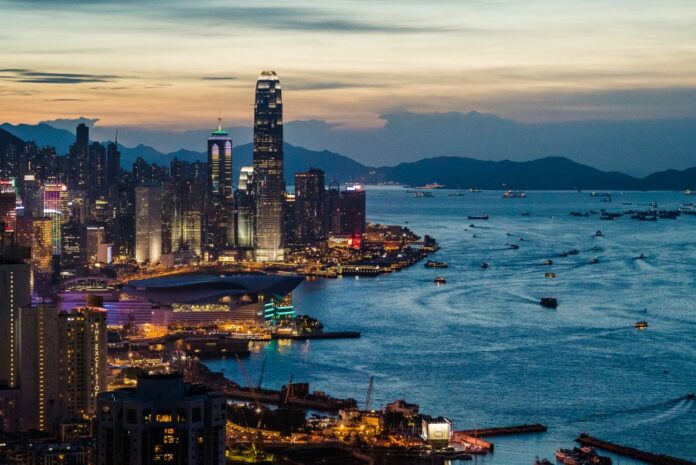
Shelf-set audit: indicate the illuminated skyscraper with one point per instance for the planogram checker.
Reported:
(148, 224)
(268, 168)
(220, 195)
(246, 208)
(79, 159)
(8, 205)
(37, 233)
(353, 214)
(55, 205)
(310, 199)
(94, 235)
(82, 355)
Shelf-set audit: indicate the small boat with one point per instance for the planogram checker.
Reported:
(688, 192)
(513, 246)
(598, 233)
(641, 325)
(641, 257)
(434, 264)
(526, 214)
(548, 302)
(573, 252)
(479, 217)
(484, 265)
(594, 261)
(548, 262)
(550, 275)
(440, 280)
(514, 195)
(690, 396)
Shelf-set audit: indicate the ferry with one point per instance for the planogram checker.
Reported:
(514, 195)
(432, 185)
(641, 325)
(434, 264)
(440, 280)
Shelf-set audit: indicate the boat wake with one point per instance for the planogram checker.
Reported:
(675, 406)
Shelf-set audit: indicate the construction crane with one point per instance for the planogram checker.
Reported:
(370, 388)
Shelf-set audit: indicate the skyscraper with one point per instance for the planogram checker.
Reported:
(37, 234)
(268, 168)
(246, 208)
(8, 205)
(15, 293)
(82, 352)
(148, 224)
(55, 201)
(310, 199)
(163, 420)
(353, 214)
(220, 195)
(113, 163)
(79, 159)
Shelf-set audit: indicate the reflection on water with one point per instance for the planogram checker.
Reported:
(480, 349)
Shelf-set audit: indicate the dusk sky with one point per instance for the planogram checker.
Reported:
(173, 64)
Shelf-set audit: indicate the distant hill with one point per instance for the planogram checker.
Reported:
(7, 140)
(455, 172)
(543, 174)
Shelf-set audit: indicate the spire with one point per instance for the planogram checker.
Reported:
(219, 131)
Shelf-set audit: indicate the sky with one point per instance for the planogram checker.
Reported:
(174, 64)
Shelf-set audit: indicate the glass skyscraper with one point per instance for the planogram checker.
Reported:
(268, 168)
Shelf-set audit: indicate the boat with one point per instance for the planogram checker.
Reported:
(563, 454)
(641, 257)
(550, 275)
(440, 280)
(688, 192)
(690, 396)
(434, 264)
(479, 217)
(432, 185)
(513, 246)
(598, 233)
(484, 265)
(421, 194)
(526, 214)
(641, 325)
(573, 252)
(514, 195)
(474, 190)
(548, 262)
(542, 462)
(594, 260)
(548, 302)
(457, 194)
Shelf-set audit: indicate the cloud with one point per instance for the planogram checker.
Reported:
(69, 124)
(324, 85)
(41, 77)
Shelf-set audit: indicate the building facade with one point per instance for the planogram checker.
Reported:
(148, 224)
(220, 192)
(310, 200)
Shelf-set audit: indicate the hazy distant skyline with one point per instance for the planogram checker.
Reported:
(173, 63)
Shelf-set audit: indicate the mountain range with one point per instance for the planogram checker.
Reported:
(455, 172)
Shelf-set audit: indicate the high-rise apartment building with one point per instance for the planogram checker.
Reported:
(15, 293)
(268, 168)
(148, 224)
(37, 233)
(82, 355)
(163, 420)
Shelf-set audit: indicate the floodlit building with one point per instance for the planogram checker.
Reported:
(220, 195)
(148, 224)
(15, 293)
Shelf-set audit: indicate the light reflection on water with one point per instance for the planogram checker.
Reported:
(480, 349)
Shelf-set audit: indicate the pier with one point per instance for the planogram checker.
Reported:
(654, 459)
(505, 430)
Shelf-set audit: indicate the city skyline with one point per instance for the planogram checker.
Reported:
(347, 63)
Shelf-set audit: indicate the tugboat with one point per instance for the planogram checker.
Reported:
(484, 265)
(548, 302)
(440, 280)
(433, 264)
(641, 325)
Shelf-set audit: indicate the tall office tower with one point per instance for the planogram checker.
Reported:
(96, 185)
(39, 367)
(79, 159)
(310, 199)
(37, 233)
(82, 358)
(289, 218)
(54, 206)
(333, 209)
(71, 259)
(32, 196)
(163, 420)
(246, 208)
(220, 198)
(148, 224)
(94, 235)
(353, 214)
(268, 168)
(15, 293)
(8, 205)
(191, 231)
(113, 164)
(170, 219)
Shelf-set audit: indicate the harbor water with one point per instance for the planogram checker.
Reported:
(483, 352)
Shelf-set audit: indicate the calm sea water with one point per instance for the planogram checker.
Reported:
(481, 351)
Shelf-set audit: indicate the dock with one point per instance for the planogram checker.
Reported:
(654, 459)
(505, 430)
(323, 335)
